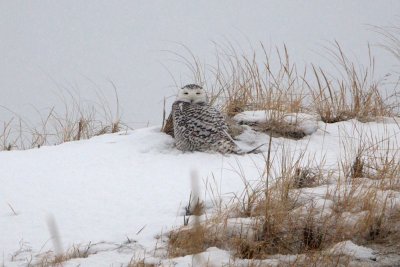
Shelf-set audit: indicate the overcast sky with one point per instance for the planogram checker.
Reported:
(50, 46)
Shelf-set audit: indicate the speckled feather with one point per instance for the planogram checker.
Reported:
(200, 127)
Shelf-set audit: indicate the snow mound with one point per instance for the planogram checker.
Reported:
(348, 248)
(254, 116)
(306, 123)
(111, 188)
(133, 186)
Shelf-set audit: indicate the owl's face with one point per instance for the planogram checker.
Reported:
(192, 93)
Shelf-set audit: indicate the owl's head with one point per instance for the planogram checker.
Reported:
(192, 93)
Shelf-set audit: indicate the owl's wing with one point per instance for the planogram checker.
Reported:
(203, 120)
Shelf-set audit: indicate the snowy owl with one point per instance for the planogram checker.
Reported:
(199, 126)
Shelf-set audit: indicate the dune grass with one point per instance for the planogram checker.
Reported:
(77, 120)
(355, 202)
(276, 216)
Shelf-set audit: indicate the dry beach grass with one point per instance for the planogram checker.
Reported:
(281, 215)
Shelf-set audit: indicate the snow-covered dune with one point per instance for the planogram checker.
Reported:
(130, 187)
(104, 189)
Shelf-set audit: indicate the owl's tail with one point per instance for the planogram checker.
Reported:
(239, 151)
(255, 150)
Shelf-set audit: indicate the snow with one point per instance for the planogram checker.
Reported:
(118, 194)
(210, 257)
(104, 189)
(133, 186)
(306, 123)
(256, 116)
(350, 249)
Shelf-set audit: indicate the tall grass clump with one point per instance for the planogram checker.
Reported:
(304, 209)
(261, 80)
(77, 119)
(240, 82)
(355, 94)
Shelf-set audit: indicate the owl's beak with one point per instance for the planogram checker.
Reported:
(191, 101)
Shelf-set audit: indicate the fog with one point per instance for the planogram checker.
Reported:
(49, 48)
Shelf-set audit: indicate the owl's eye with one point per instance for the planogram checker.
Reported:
(197, 93)
(185, 93)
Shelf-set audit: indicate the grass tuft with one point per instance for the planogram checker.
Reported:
(79, 120)
(283, 218)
